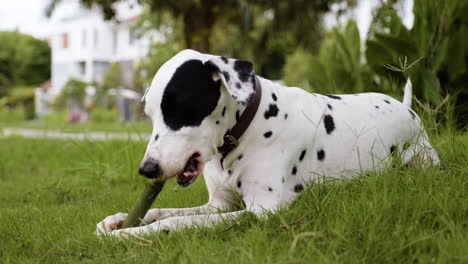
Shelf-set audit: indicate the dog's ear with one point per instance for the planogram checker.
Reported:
(237, 76)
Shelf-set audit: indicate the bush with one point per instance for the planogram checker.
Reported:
(55, 118)
(23, 96)
(102, 115)
(24, 60)
(73, 91)
(296, 69)
(13, 115)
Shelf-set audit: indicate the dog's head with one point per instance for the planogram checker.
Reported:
(192, 101)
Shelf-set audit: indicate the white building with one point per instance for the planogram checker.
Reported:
(84, 45)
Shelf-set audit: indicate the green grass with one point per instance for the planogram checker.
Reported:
(52, 194)
(57, 121)
(132, 127)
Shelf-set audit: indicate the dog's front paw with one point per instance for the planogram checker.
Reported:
(110, 223)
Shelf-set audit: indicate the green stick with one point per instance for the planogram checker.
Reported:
(139, 209)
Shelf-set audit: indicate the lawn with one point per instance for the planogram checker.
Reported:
(53, 192)
(57, 121)
(131, 127)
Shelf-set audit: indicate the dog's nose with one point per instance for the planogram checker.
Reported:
(150, 169)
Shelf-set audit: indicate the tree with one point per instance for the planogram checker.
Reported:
(72, 94)
(24, 61)
(113, 77)
(199, 17)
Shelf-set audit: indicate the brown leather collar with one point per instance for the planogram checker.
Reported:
(232, 136)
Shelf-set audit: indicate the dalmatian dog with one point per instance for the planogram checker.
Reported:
(293, 139)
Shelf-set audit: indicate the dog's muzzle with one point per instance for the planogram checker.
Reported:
(150, 169)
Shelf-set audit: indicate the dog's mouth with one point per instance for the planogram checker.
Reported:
(192, 169)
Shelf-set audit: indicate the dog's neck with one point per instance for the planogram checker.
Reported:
(233, 135)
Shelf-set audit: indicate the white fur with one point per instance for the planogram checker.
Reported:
(361, 141)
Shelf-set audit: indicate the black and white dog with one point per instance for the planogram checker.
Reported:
(294, 138)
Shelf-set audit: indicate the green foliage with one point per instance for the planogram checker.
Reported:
(337, 68)
(24, 60)
(261, 31)
(11, 115)
(73, 92)
(296, 69)
(158, 54)
(54, 118)
(433, 54)
(113, 77)
(439, 38)
(20, 94)
(103, 115)
(24, 97)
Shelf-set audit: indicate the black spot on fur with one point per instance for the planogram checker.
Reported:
(301, 157)
(329, 107)
(239, 184)
(244, 69)
(240, 157)
(270, 189)
(333, 96)
(156, 137)
(285, 116)
(329, 124)
(223, 112)
(268, 134)
(282, 180)
(190, 95)
(388, 102)
(274, 97)
(224, 59)
(298, 188)
(217, 122)
(238, 85)
(294, 170)
(377, 107)
(226, 76)
(413, 115)
(271, 112)
(392, 149)
(229, 171)
(321, 155)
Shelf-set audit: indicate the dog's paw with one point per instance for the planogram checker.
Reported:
(110, 223)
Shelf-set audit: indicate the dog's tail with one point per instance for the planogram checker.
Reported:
(408, 95)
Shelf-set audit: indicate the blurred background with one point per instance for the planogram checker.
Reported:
(90, 61)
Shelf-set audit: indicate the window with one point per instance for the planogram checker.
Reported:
(65, 41)
(82, 67)
(83, 38)
(114, 41)
(96, 38)
(132, 36)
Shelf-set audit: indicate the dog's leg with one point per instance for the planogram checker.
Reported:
(219, 199)
(177, 222)
(114, 221)
(421, 153)
(157, 214)
(256, 204)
